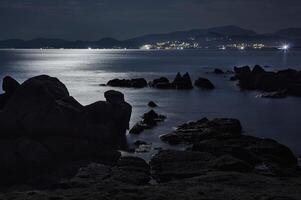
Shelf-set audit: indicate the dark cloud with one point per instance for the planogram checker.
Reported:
(94, 19)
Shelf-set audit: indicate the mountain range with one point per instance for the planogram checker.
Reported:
(204, 37)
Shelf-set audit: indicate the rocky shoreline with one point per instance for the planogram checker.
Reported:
(52, 147)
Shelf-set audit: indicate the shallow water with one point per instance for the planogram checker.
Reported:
(83, 70)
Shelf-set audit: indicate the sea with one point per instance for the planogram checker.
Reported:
(82, 71)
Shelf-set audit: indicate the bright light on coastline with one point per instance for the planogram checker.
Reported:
(89, 48)
(285, 47)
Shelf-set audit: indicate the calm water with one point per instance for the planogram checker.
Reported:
(83, 70)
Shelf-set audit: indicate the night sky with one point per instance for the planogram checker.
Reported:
(122, 19)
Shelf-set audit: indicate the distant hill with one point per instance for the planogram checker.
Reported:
(294, 33)
(209, 37)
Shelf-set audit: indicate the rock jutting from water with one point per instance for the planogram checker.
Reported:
(280, 83)
(152, 104)
(134, 83)
(43, 126)
(150, 120)
(180, 82)
(204, 83)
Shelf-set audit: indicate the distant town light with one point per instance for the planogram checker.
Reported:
(89, 48)
(285, 47)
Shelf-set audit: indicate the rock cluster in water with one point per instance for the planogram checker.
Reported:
(274, 84)
(219, 144)
(150, 120)
(42, 125)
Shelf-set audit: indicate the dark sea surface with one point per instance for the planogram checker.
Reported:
(83, 70)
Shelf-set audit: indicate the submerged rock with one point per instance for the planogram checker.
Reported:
(204, 83)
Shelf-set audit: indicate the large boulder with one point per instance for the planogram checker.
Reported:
(42, 105)
(8, 162)
(10, 85)
(204, 83)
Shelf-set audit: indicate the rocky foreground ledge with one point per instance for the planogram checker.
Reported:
(39, 160)
(222, 164)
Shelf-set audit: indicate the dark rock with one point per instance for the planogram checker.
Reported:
(204, 83)
(182, 82)
(150, 120)
(8, 162)
(203, 129)
(171, 164)
(285, 80)
(33, 154)
(152, 104)
(258, 69)
(161, 83)
(230, 163)
(131, 170)
(233, 78)
(218, 71)
(114, 97)
(135, 83)
(138, 128)
(139, 142)
(3, 100)
(10, 85)
(114, 114)
(42, 106)
(278, 94)
(239, 70)
(44, 126)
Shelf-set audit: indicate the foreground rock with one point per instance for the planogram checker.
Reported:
(9, 86)
(150, 120)
(180, 82)
(43, 126)
(222, 166)
(226, 149)
(204, 83)
(134, 83)
(287, 81)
